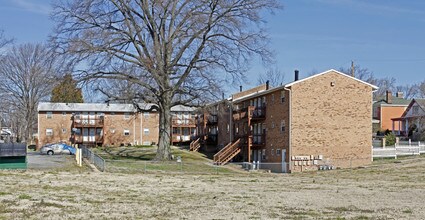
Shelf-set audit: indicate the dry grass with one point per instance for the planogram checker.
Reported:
(385, 190)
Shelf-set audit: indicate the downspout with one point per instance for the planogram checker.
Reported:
(141, 129)
(290, 128)
(134, 128)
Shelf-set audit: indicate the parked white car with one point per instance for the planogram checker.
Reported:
(58, 148)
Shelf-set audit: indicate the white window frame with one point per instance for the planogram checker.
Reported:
(63, 113)
(146, 114)
(126, 132)
(146, 131)
(49, 115)
(126, 115)
(278, 152)
(49, 132)
(282, 126)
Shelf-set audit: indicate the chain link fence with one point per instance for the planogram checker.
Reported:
(94, 159)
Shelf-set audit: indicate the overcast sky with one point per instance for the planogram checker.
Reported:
(385, 36)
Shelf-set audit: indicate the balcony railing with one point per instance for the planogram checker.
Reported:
(259, 139)
(212, 119)
(253, 112)
(80, 139)
(184, 122)
(88, 122)
(257, 112)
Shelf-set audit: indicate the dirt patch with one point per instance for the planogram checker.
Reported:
(386, 190)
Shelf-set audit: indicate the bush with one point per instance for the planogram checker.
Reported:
(389, 139)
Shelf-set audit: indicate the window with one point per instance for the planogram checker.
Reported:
(278, 152)
(49, 132)
(49, 115)
(126, 132)
(263, 155)
(146, 131)
(228, 128)
(126, 115)
(63, 130)
(282, 126)
(146, 114)
(273, 124)
(282, 96)
(272, 152)
(63, 113)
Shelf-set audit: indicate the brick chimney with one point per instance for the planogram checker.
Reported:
(399, 95)
(389, 97)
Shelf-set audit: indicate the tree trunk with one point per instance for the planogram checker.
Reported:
(164, 142)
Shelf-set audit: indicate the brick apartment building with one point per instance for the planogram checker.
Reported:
(324, 120)
(99, 124)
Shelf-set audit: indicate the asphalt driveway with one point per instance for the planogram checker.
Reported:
(38, 161)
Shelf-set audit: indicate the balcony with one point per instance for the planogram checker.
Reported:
(212, 120)
(240, 114)
(80, 139)
(252, 112)
(258, 140)
(87, 122)
(187, 122)
(257, 113)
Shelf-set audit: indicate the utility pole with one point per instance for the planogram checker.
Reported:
(352, 69)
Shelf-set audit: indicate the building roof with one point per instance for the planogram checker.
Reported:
(259, 93)
(328, 71)
(102, 107)
(394, 101)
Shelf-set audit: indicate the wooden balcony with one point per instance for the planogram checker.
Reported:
(187, 122)
(240, 114)
(257, 113)
(256, 140)
(251, 112)
(212, 120)
(97, 122)
(80, 139)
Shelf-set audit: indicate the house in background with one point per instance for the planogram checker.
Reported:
(322, 120)
(412, 120)
(385, 109)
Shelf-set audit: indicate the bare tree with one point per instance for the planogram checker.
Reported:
(274, 76)
(27, 76)
(361, 73)
(175, 50)
(409, 91)
(4, 41)
(384, 84)
(421, 90)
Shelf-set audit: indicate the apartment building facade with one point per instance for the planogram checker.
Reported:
(97, 124)
(322, 120)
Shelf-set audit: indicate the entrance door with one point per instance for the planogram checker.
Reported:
(92, 118)
(92, 135)
(284, 164)
(85, 134)
(84, 118)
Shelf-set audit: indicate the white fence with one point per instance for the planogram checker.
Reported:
(405, 149)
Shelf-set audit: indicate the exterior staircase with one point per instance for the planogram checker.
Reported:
(227, 153)
(195, 145)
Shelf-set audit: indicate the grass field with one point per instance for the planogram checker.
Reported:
(388, 189)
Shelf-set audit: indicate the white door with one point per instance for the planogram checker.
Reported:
(92, 118)
(92, 135)
(84, 118)
(85, 134)
(284, 164)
